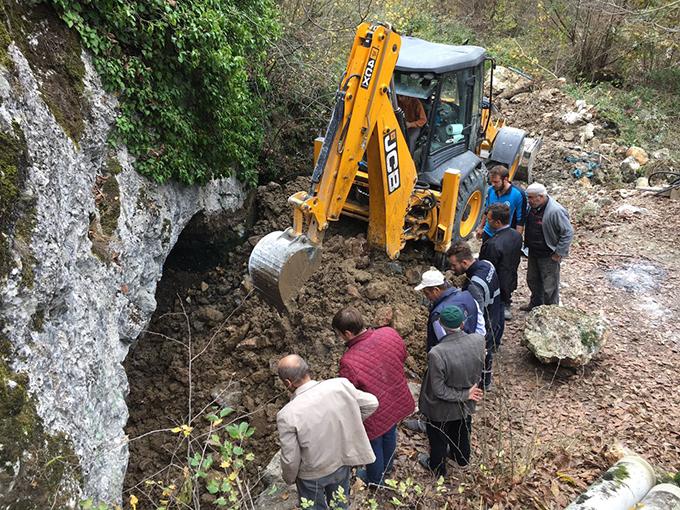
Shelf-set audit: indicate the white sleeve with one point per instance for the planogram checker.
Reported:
(438, 330)
(481, 326)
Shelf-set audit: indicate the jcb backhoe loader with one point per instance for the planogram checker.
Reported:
(435, 188)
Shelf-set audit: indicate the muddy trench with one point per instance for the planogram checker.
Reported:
(206, 303)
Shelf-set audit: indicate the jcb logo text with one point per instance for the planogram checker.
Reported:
(391, 161)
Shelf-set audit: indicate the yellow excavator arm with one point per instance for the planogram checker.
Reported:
(363, 124)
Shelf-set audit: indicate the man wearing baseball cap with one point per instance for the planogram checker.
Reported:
(441, 294)
(449, 392)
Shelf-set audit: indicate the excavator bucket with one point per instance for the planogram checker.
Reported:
(280, 264)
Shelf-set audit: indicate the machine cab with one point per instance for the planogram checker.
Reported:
(448, 82)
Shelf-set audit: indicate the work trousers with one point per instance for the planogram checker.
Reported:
(452, 437)
(384, 447)
(543, 279)
(493, 338)
(322, 490)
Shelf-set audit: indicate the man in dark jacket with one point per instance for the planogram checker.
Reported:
(503, 250)
(374, 363)
(449, 392)
(482, 283)
(441, 294)
(548, 236)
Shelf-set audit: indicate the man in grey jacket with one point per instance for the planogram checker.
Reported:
(547, 235)
(322, 433)
(449, 392)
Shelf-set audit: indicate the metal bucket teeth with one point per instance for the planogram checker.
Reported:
(280, 264)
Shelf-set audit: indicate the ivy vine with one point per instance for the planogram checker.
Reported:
(189, 76)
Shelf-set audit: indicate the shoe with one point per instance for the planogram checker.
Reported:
(508, 314)
(424, 460)
(526, 308)
(416, 425)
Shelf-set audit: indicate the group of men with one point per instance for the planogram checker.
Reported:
(330, 426)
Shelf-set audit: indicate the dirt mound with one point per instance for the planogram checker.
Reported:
(243, 337)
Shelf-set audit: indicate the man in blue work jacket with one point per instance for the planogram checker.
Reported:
(482, 282)
(503, 191)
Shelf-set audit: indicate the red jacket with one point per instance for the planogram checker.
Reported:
(374, 362)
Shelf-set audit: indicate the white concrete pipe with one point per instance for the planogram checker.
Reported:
(664, 496)
(621, 487)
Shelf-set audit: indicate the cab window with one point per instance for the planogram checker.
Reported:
(450, 120)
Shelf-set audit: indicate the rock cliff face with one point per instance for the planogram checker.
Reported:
(84, 239)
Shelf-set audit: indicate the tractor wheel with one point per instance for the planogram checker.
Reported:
(471, 198)
(440, 261)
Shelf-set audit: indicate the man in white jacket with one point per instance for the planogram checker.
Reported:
(322, 433)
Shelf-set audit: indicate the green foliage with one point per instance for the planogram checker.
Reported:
(188, 76)
(216, 462)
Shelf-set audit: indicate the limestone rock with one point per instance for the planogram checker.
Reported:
(587, 132)
(377, 290)
(505, 79)
(93, 303)
(639, 154)
(228, 394)
(412, 275)
(278, 495)
(211, 314)
(383, 316)
(570, 337)
(404, 319)
(629, 169)
(661, 154)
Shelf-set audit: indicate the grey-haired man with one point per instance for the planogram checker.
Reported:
(322, 433)
(548, 234)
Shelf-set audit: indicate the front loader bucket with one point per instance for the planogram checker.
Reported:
(280, 264)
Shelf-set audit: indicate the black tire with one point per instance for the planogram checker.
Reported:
(470, 206)
(440, 261)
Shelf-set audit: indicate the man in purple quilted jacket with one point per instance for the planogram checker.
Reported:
(374, 363)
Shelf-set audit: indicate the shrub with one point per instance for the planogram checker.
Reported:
(188, 74)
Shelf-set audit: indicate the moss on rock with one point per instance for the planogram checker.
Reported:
(37, 470)
(104, 223)
(13, 167)
(54, 55)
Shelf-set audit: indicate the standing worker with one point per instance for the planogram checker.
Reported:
(449, 392)
(374, 362)
(482, 283)
(322, 433)
(504, 251)
(503, 191)
(548, 237)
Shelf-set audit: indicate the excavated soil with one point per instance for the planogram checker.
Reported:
(541, 436)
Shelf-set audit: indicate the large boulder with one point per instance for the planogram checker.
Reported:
(556, 334)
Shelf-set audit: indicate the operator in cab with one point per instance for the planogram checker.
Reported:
(415, 118)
